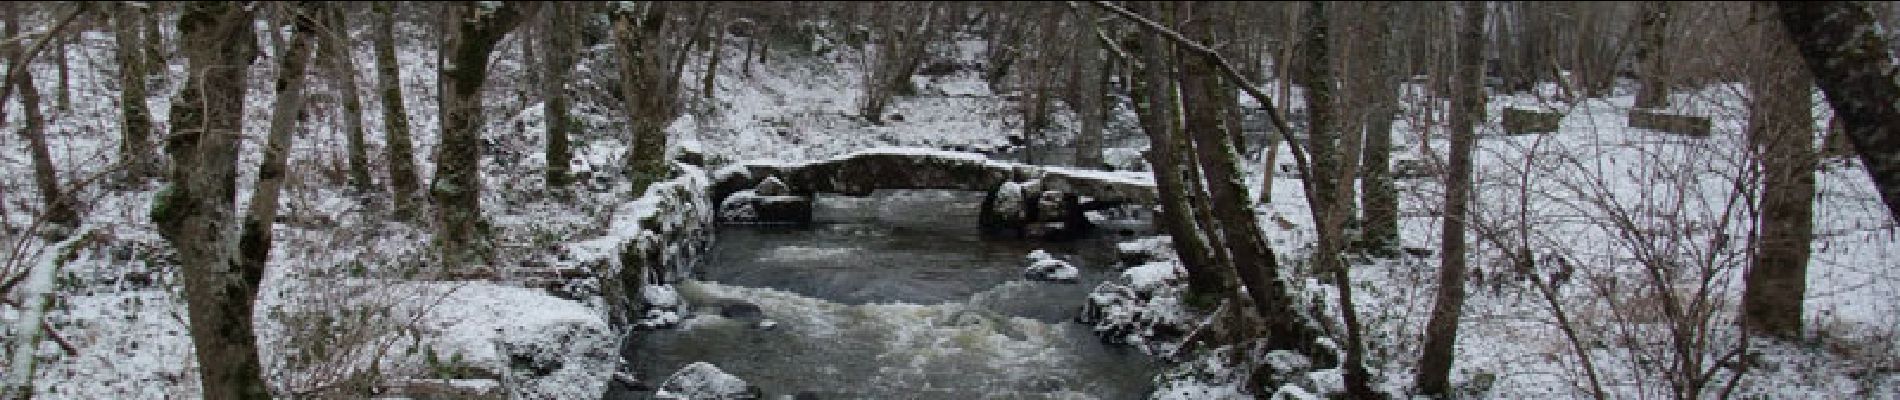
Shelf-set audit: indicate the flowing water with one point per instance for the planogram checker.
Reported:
(895, 296)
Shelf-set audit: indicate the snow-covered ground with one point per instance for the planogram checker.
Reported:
(347, 291)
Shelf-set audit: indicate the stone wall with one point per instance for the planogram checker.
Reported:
(658, 238)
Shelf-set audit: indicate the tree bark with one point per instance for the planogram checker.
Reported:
(1852, 64)
(1088, 91)
(340, 62)
(135, 115)
(155, 51)
(194, 212)
(1254, 261)
(461, 234)
(1322, 130)
(1155, 108)
(63, 100)
(58, 214)
(1781, 131)
(1653, 92)
(652, 91)
(715, 44)
(1441, 332)
(254, 242)
(404, 183)
(559, 40)
(1380, 197)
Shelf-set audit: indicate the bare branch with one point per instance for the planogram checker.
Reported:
(1226, 68)
(19, 66)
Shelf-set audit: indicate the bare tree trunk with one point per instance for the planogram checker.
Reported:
(1781, 131)
(715, 44)
(194, 212)
(1284, 71)
(58, 214)
(461, 234)
(1155, 107)
(333, 41)
(63, 100)
(1089, 85)
(135, 116)
(403, 180)
(255, 242)
(901, 49)
(652, 91)
(1852, 64)
(1380, 197)
(1253, 260)
(1201, 114)
(1654, 88)
(1322, 131)
(1441, 332)
(155, 51)
(561, 48)
(1331, 219)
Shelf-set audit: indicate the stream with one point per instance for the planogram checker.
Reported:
(893, 296)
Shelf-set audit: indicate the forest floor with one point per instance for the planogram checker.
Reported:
(346, 287)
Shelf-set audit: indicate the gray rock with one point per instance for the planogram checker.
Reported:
(772, 186)
(702, 380)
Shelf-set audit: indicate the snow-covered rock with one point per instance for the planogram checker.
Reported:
(1143, 306)
(751, 207)
(703, 381)
(662, 307)
(1141, 251)
(660, 296)
(1052, 270)
(1038, 255)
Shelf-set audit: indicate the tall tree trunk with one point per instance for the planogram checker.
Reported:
(1201, 114)
(63, 100)
(135, 116)
(339, 61)
(1322, 129)
(457, 186)
(1653, 92)
(404, 183)
(715, 46)
(1380, 197)
(652, 91)
(1253, 259)
(1284, 72)
(58, 214)
(1441, 332)
(1851, 61)
(155, 51)
(1332, 219)
(560, 44)
(1781, 131)
(194, 212)
(1155, 108)
(1089, 89)
(255, 241)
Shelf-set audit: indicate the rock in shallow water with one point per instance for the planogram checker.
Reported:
(702, 380)
(1052, 270)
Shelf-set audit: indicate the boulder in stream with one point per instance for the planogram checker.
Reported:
(703, 381)
(1052, 270)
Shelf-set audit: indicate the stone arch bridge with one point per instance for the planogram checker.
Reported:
(1030, 200)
